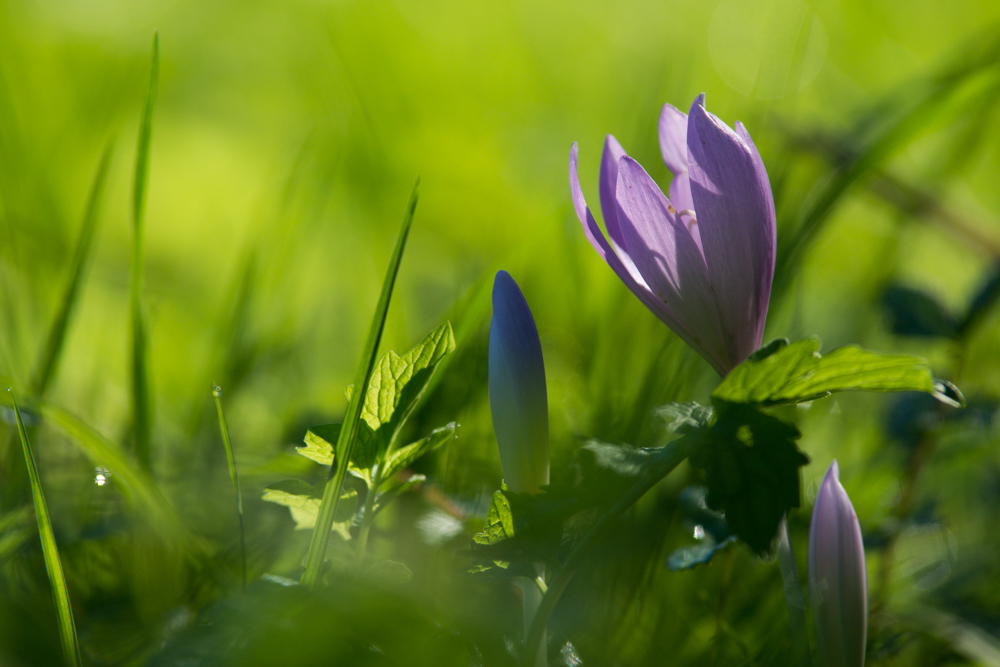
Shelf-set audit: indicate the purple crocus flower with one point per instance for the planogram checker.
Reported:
(838, 578)
(518, 400)
(703, 259)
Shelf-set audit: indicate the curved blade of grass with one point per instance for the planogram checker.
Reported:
(138, 488)
(49, 361)
(224, 428)
(140, 376)
(60, 595)
(928, 100)
(81, 254)
(345, 442)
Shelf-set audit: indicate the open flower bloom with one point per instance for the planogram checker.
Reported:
(518, 400)
(838, 579)
(703, 259)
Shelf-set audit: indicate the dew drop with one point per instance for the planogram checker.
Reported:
(101, 475)
(699, 532)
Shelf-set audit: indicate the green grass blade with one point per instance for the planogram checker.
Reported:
(224, 428)
(15, 490)
(60, 595)
(335, 483)
(57, 334)
(138, 488)
(931, 97)
(140, 376)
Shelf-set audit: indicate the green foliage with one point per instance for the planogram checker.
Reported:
(797, 372)
(712, 527)
(303, 500)
(393, 392)
(352, 418)
(396, 386)
(50, 551)
(141, 402)
(751, 466)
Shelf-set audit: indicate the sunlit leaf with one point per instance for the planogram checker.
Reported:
(404, 456)
(394, 390)
(798, 372)
(303, 501)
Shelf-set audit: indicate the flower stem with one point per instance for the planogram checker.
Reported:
(793, 596)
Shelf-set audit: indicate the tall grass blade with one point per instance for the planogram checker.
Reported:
(138, 488)
(345, 442)
(224, 428)
(930, 97)
(81, 254)
(140, 376)
(67, 629)
(15, 490)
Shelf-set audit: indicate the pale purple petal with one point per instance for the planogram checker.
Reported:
(673, 139)
(620, 263)
(609, 181)
(838, 577)
(668, 259)
(518, 400)
(735, 213)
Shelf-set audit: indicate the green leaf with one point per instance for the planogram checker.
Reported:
(352, 418)
(797, 372)
(711, 526)
(394, 390)
(499, 528)
(141, 410)
(393, 492)
(751, 466)
(499, 521)
(50, 552)
(685, 417)
(404, 456)
(319, 447)
(303, 500)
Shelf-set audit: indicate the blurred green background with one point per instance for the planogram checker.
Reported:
(286, 139)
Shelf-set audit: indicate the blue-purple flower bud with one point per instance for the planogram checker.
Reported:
(518, 400)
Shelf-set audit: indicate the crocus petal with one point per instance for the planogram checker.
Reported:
(518, 400)
(673, 139)
(620, 263)
(613, 152)
(624, 267)
(668, 259)
(735, 213)
(838, 577)
(765, 182)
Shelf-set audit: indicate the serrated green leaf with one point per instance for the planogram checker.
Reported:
(499, 521)
(685, 417)
(303, 501)
(319, 447)
(751, 466)
(393, 391)
(798, 372)
(404, 456)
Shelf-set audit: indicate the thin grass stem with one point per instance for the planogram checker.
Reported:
(227, 443)
(50, 551)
